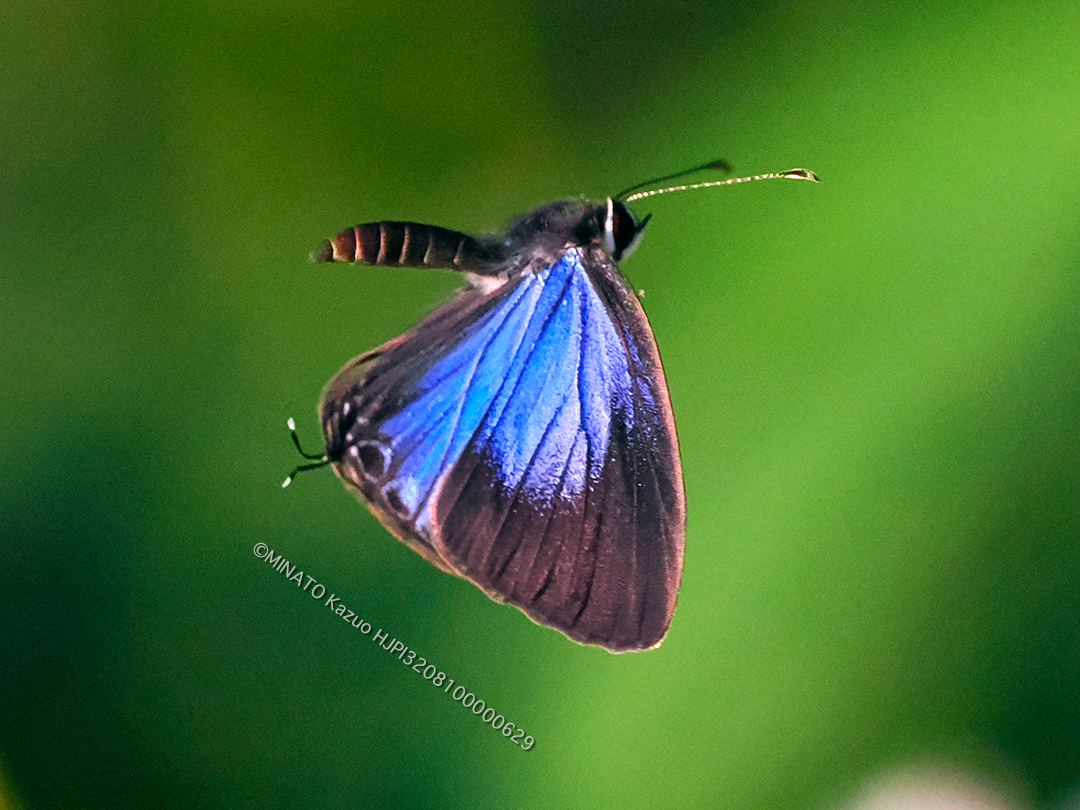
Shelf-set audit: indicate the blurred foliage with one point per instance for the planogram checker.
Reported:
(876, 381)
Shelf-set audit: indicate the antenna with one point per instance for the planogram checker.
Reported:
(790, 174)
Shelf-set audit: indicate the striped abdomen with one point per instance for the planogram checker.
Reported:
(407, 244)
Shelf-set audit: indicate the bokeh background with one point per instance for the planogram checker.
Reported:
(876, 382)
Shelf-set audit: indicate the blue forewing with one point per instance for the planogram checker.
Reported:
(521, 435)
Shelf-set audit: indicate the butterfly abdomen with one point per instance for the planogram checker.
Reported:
(407, 244)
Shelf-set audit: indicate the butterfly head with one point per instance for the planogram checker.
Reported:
(612, 226)
(622, 230)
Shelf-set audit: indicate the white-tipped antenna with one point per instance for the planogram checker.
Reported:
(790, 174)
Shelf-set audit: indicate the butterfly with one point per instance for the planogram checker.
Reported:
(521, 435)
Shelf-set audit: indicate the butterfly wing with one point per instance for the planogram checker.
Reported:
(523, 438)
(568, 501)
(390, 415)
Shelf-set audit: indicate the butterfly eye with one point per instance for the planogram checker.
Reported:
(622, 231)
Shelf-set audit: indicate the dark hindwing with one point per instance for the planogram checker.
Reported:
(523, 438)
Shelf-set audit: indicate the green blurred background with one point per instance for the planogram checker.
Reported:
(876, 382)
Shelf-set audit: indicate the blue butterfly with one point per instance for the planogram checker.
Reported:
(521, 435)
